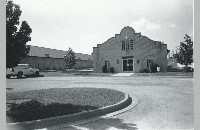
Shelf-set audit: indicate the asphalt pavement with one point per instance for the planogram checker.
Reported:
(164, 102)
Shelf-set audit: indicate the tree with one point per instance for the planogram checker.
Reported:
(184, 54)
(16, 36)
(69, 59)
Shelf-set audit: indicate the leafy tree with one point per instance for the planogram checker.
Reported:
(16, 36)
(69, 59)
(184, 55)
(168, 51)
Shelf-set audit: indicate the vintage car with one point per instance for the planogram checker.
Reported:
(22, 69)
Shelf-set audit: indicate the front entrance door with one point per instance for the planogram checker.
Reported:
(127, 64)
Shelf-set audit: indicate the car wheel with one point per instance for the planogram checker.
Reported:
(37, 73)
(19, 75)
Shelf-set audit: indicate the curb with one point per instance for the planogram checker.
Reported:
(134, 103)
(54, 121)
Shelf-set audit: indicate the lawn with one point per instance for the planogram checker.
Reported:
(44, 103)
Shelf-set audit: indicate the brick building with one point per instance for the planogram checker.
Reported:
(46, 58)
(129, 52)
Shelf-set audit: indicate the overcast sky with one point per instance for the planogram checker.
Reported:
(82, 24)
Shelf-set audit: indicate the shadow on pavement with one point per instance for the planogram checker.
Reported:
(15, 77)
(104, 124)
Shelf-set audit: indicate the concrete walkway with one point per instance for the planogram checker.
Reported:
(123, 74)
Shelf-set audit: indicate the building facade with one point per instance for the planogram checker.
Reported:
(46, 59)
(129, 52)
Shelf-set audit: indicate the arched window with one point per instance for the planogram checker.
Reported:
(123, 45)
(127, 46)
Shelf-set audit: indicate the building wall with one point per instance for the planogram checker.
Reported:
(143, 49)
(80, 64)
(45, 63)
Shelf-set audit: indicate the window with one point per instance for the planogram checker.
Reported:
(127, 46)
(117, 61)
(123, 45)
(131, 45)
(107, 64)
(149, 62)
(21, 66)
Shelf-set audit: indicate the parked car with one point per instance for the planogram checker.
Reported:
(22, 69)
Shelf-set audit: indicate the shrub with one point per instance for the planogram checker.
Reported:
(154, 68)
(170, 69)
(24, 111)
(34, 110)
(141, 70)
(112, 69)
(189, 69)
(47, 68)
(144, 71)
(104, 69)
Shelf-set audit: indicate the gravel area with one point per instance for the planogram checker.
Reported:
(97, 97)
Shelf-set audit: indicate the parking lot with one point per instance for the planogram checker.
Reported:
(165, 102)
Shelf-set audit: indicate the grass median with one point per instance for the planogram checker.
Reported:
(45, 103)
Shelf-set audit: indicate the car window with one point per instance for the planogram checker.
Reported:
(29, 66)
(21, 66)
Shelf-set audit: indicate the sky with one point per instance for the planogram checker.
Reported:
(82, 24)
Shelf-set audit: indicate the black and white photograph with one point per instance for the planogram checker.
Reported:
(99, 65)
